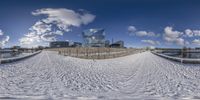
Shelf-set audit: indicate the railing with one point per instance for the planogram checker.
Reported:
(13, 59)
(178, 59)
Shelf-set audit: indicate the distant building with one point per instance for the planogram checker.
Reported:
(107, 43)
(197, 48)
(94, 38)
(40, 47)
(16, 47)
(118, 44)
(76, 44)
(59, 44)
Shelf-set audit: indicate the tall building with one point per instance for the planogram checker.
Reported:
(94, 38)
(59, 44)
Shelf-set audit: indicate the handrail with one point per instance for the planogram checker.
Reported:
(9, 60)
(182, 60)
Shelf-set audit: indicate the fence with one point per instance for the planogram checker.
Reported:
(178, 59)
(9, 60)
(96, 53)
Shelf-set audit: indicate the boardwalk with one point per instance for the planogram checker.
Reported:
(52, 76)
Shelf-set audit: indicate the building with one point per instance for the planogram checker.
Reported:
(197, 48)
(76, 44)
(107, 43)
(40, 47)
(94, 38)
(118, 44)
(59, 44)
(16, 47)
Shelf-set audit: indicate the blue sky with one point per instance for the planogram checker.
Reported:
(140, 23)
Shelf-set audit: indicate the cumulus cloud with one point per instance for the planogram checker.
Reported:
(3, 39)
(134, 32)
(1, 32)
(180, 41)
(196, 41)
(189, 33)
(151, 42)
(145, 33)
(131, 29)
(196, 32)
(56, 23)
(192, 33)
(172, 36)
(187, 43)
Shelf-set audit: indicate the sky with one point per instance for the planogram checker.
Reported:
(139, 23)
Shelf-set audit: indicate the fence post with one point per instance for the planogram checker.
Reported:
(109, 51)
(98, 52)
(76, 52)
(87, 52)
(59, 52)
(104, 53)
(112, 54)
(69, 52)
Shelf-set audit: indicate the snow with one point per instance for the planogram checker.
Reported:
(139, 76)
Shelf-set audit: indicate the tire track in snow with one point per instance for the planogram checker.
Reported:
(134, 85)
(56, 86)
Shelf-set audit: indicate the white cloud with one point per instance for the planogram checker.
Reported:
(192, 33)
(133, 31)
(30, 38)
(172, 36)
(151, 42)
(189, 33)
(180, 41)
(187, 43)
(196, 32)
(196, 41)
(56, 23)
(64, 18)
(145, 33)
(4, 41)
(1, 32)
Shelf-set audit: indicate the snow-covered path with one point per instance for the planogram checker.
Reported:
(144, 75)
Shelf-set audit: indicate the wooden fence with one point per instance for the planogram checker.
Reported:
(96, 53)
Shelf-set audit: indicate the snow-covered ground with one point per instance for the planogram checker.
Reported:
(139, 76)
